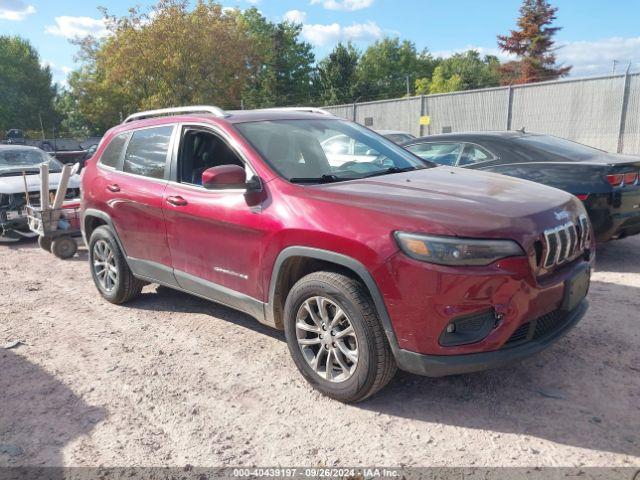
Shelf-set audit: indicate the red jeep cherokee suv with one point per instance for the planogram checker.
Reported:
(367, 256)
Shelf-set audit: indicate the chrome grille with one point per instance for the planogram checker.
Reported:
(565, 242)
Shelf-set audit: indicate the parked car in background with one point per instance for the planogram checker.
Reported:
(15, 159)
(14, 136)
(65, 150)
(90, 143)
(396, 136)
(366, 266)
(344, 150)
(608, 184)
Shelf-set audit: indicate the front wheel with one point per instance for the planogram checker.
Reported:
(335, 337)
(111, 274)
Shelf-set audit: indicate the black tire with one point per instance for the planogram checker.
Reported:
(126, 286)
(63, 247)
(375, 366)
(44, 243)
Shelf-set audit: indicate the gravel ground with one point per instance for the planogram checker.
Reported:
(170, 380)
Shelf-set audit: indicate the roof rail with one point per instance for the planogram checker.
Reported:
(163, 112)
(301, 109)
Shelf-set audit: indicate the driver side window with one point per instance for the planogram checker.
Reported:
(201, 150)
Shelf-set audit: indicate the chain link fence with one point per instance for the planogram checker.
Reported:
(603, 112)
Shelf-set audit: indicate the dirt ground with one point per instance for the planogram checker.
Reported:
(170, 380)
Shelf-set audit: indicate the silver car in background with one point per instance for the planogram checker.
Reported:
(14, 160)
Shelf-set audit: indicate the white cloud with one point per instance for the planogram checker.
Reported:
(15, 10)
(320, 35)
(346, 5)
(596, 57)
(72, 27)
(295, 16)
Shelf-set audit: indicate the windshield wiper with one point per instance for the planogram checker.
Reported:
(393, 170)
(320, 179)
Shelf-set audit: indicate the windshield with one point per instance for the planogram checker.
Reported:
(559, 146)
(26, 159)
(308, 151)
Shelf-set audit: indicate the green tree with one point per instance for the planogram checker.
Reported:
(283, 70)
(177, 55)
(337, 75)
(386, 66)
(72, 122)
(462, 71)
(533, 43)
(26, 87)
(439, 83)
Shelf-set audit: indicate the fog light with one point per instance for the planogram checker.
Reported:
(468, 329)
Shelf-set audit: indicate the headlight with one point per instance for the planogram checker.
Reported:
(456, 251)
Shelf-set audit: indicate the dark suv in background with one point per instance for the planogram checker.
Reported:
(367, 262)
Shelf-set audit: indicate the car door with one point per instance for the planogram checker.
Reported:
(134, 191)
(216, 237)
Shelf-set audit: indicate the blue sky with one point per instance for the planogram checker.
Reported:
(594, 32)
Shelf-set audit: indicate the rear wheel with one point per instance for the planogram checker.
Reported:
(44, 243)
(63, 247)
(111, 274)
(335, 337)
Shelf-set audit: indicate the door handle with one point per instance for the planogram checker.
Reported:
(176, 201)
(114, 187)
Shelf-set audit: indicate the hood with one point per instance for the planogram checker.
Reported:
(15, 183)
(460, 202)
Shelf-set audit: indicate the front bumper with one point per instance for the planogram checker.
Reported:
(15, 228)
(443, 365)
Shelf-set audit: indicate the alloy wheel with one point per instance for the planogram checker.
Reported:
(327, 339)
(104, 265)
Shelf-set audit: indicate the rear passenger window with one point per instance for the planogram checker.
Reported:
(147, 152)
(113, 153)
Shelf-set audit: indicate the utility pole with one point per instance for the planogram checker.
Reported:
(613, 72)
(408, 89)
(41, 125)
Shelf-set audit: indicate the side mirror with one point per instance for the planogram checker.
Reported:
(224, 177)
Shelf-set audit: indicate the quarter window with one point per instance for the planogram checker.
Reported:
(440, 153)
(147, 152)
(113, 153)
(474, 154)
